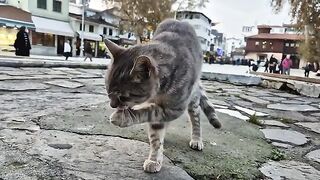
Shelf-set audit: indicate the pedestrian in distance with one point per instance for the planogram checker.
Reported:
(286, 65)
(88, 51)
(67, 49)
(22, 42)
(307, 69)
(272, 64)
(266, 65)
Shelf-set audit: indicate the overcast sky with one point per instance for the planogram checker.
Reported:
(233, 14)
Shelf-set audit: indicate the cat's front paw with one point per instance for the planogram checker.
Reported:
(196, 145)
(151, 166)
(119, 118)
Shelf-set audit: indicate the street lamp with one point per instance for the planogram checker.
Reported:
(84, 4)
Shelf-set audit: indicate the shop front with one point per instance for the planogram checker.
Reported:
(49, 36)
(11, 19)
(92, 38)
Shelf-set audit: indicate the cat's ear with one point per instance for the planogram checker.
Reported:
(113, 48)
(143, 68)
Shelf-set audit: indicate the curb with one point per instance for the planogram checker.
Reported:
(49, 64)
(232, 78)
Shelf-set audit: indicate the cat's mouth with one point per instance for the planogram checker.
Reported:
(122, 108)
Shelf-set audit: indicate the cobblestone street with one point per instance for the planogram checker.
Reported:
(54, 125)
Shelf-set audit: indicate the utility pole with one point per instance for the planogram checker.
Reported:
(82, 28)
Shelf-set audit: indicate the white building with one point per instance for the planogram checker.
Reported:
(232, 44)
(202, 25)
(97, 23)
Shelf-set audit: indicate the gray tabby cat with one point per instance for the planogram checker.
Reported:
(157, 83)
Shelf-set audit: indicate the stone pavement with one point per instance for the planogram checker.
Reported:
(53, 125)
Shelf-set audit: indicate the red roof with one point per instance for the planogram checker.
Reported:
(295, 37)
(11, 12)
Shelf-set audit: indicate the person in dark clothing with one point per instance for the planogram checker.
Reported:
(88, 51)
(272, 64)
(22, 43)
(266, 66)
(307, 69)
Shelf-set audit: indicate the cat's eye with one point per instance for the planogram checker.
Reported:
(123, 98)
(135, 95)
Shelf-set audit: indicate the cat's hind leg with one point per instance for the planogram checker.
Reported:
(194, 115)
(156, 133)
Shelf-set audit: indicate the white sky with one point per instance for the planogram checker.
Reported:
(233, 14)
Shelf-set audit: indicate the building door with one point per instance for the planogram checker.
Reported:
(61, 40)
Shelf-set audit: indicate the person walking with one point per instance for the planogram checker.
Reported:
(286, 65)
(22, 42)
(88, 51)
(272, 64)
(67, 49)
(307, 69)
(266, 65)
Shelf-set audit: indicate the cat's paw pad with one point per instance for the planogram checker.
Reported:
(196, 145)
(151, 166)
(119, 118)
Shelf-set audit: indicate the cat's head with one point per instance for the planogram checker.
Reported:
(132, 77)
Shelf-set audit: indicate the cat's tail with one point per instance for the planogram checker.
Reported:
(208, 109)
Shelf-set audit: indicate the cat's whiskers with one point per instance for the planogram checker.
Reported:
(132, 115)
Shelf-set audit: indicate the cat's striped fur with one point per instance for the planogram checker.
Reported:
(157, 83)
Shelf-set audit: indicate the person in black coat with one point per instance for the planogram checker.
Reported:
(22, 43)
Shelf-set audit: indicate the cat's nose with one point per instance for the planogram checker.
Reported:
(114, 103)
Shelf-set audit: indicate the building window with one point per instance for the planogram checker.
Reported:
(197, 16)
(56, 5)
(104, 30)
(292, 45)
(110, 32)
(287, 44)
(91, 28)
(42, 4)
(297, 45)
(84, 27)
(43, 39)
(257, 43)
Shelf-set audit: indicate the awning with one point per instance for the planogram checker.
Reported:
(14, 23)
(11, 16)
(90, 36)
(51, 26)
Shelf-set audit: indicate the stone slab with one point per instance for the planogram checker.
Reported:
(274, 123)
(285, 136)
(314, 155)
(2, 68)
(254, 99)
(315, 127)
(315, 114)
(85, 157)
(22, 86)
(282, 145)
(251, 112)
(294, 102)
(292, 107)
(218, 102)
(286, 95)
(273, 98)
(20, 72)
(65, 84)
(292, 170)
(233, 113)
(219, 106)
